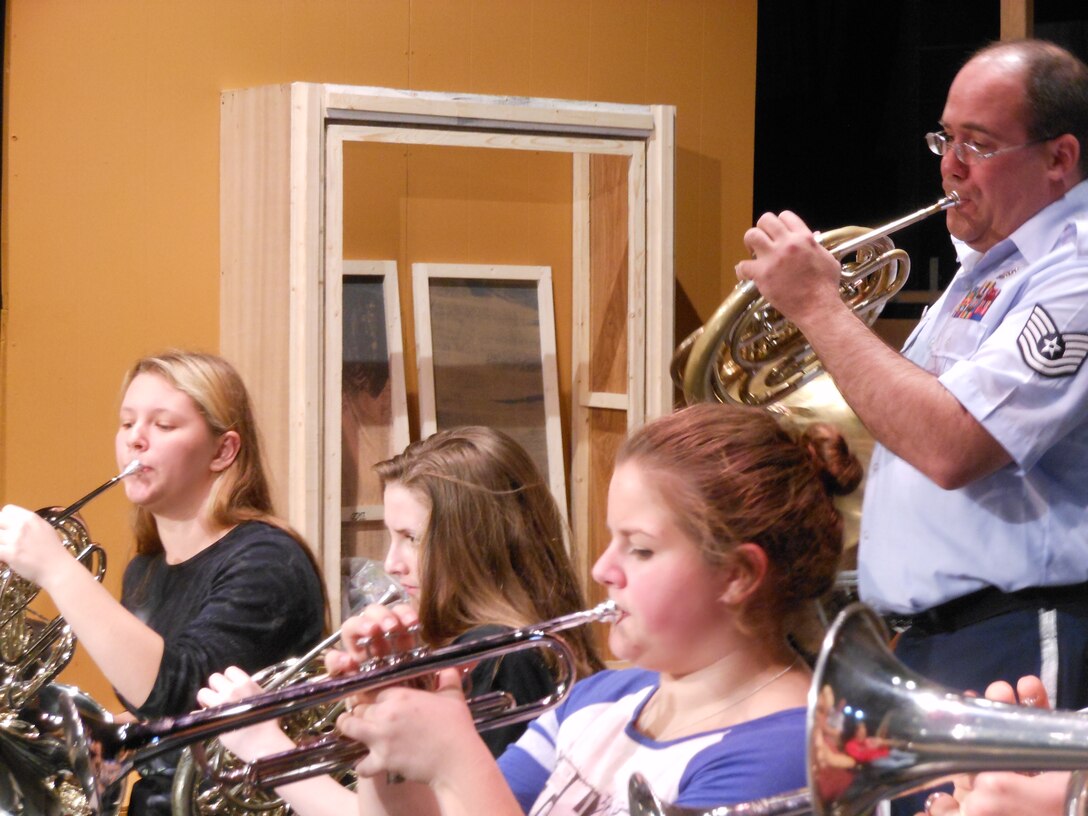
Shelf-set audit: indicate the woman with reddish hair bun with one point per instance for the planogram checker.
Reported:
(723, 532)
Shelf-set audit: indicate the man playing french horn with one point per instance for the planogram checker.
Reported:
(974, 531)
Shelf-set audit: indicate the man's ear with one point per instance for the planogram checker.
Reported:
(745, 572)
(1065, 155)
(229, 445)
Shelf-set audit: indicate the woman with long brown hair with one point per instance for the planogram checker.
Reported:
(479, 544)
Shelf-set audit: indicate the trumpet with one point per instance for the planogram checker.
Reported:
(749, 354)
(103, 752)
(877, 730)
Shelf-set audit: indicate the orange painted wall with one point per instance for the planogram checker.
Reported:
(109, 233)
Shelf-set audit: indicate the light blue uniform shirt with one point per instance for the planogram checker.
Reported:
(1008, 339)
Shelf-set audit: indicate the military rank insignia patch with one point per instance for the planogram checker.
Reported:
(1049, 351)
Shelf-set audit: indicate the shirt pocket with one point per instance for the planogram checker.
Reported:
(957, 340)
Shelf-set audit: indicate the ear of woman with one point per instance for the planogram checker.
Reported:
(745, 571)
(227, 451)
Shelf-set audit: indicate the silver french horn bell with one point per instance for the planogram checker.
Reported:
(877, 730)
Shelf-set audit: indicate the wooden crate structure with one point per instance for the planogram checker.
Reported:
(282, 265)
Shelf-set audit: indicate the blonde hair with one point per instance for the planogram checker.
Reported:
(241, 494)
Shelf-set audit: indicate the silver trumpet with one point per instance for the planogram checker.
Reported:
(877, 730)
(103, 752)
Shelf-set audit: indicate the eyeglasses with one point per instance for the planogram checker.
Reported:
(967, 153)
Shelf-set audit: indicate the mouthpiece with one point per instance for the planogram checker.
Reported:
(72, 509)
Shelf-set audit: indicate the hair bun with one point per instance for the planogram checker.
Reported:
(839, 469)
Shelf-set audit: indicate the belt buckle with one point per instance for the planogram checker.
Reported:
(899, 623)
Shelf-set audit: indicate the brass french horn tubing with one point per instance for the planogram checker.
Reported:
(696, 362)
(75, 506)
(908, 733)
(8, 579)
(33, 651)
(103, 752)
(224, 795)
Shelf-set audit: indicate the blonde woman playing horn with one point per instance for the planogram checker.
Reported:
(723, 531)
(217, 579)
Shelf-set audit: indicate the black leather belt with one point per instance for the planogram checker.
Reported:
(990, 602)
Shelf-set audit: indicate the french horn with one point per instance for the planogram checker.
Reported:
(876, 730)
(749, 354)
(36, 777)
(35, 774)
(220, 795)
(34, 650)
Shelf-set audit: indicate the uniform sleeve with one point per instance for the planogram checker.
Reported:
(263, 604)
(1026, 383)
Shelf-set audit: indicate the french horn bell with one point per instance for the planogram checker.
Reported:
(749, 354)
(876, 730)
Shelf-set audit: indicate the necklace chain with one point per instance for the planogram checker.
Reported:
(734, 702)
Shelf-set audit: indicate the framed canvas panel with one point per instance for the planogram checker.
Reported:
(485, 338)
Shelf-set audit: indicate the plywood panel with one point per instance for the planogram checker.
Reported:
(607, 430)
(608, 273)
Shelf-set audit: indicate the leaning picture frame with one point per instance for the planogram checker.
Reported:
(485, 340)
(366, 369)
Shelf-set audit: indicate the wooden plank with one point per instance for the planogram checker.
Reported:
(306, 280)
(609, 274)
(481, 110)
(660, 254)
(332, 444)
(254, 257)
(502, 141)
(580, 354)
(607, 430)
(601, 399)
(637, 307)
(1017, 19)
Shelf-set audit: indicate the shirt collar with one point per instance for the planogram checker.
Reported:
(1037, 236)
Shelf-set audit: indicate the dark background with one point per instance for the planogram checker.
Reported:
(845, 92)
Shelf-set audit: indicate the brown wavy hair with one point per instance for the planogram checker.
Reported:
(732, 474)
(241, 493)
(494, 551)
